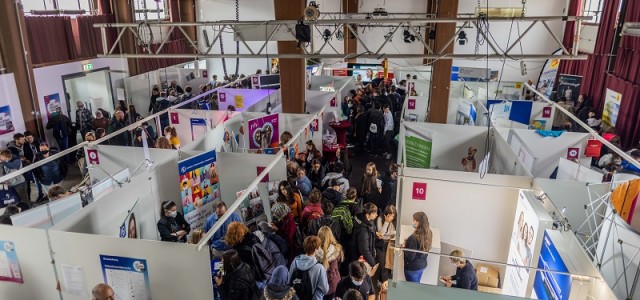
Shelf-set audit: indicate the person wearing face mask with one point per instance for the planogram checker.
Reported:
(218, 245)
(80, 156)
(171, 134)
(420, 240)
(172, 226)
(52, 172)
(357, 280)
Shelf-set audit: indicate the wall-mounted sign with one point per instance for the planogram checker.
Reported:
(87, 67)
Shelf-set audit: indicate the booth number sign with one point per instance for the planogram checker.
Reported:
(419, 191)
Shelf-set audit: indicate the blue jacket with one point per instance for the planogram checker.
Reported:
(629, 167)
(304, 185)
(317, 274)
(217, 240)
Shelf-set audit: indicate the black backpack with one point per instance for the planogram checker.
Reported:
(263, 261)
(301, 282)
(279, 241)
(298, 239)
(276, 254)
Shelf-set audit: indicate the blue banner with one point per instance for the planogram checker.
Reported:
(199, 187)
(551, 286)
(128, 276)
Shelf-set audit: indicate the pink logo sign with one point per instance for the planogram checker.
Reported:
(333, 102)
(205, 74)
(223, 97)
(175, 118)
(92, 154)
(314, 125)
(546, 112)
(573, 153)
(411, 104)
(254, 80)
(266, 177)
(419, 191)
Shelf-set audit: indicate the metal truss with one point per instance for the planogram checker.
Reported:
(414, 24)
(590, 233)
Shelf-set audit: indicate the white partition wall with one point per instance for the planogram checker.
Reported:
(416, 108)
(504, 160)
(34, 257)
(191, 124)
(473, 213)
(175, 271)
(569, 170)
(245, 99)
(237, 171)
(547, 150)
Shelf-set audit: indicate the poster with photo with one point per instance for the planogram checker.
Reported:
(264, 132)
(128, 276)
(252, 209)
(6, 121)
(548, 75)
(612, 101)
(9, 265)
(538, 124)
(521, 249)
(51, 102)
(198, 128)
(199, 187)
(569, 87)
(129, 228)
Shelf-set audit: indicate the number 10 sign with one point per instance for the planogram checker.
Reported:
(419, 191)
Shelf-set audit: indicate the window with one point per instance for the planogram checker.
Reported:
(30, 5)
(150, 10)
(593, 8)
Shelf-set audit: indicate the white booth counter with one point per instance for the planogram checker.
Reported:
(430, 275)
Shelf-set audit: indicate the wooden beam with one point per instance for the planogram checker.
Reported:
(292, 71)
(350, 42)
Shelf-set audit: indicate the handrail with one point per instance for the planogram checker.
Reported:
(132, 126)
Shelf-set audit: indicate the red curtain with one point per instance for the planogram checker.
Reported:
(150, 64)
(104, 7)
(50, 39)
(174, 17)
(89, 39)
(629, 114)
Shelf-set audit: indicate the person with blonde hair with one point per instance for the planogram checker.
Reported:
(197, 235)
(163, 143)
(330, 255)
(465, 277)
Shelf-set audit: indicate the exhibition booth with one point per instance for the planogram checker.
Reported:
(540, 151)
(251, 100)
(475, 149)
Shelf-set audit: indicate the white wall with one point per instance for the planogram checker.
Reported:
(99, 89)
(183, 127)
(9, 96)
(48, 81)
(476, 215)
(167, 263)
(537, 41)
(34, 257)
(216, 10)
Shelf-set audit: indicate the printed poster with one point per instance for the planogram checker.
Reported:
(418, 151)
(612, 101)
(569, 87)
(128, 276)
(239, 101)
(129, 228)
(264, 132)
(51, 102)
(538, 124)
(9, 265)
(547, 78)
(6, 121)
(199, 187)
(252, 208)
(198, 128)
(523, 241)
(551, 286)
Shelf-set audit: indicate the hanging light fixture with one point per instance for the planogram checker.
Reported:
(408, 37)
(462, 38)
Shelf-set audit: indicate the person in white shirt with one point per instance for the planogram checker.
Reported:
(388, 130)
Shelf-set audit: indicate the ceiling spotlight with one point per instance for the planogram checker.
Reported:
(462, 38)
(326, 34)
(408, 37)
(389, 36)
(432, 34)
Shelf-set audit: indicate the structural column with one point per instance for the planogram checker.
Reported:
(17, 60)
(188, 14)
(350, 42)
(292, 71)
(124, 14)
(441, 78)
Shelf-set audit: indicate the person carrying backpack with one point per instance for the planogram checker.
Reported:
(250, 250)
(325, 220)
(308, 276)
(278, 287)
(312, 211)
(375, 120)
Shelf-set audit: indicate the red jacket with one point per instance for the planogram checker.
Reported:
(311, 210)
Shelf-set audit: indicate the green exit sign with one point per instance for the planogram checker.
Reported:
(87, 67)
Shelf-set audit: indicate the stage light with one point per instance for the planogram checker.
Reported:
(408, 37)
(462, 38)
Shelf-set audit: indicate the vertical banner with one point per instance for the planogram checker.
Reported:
(198, 128)
(239, 101)
(9, 265)
(6, 121)
(51, 102)
(612, 101)
(264, 132)
(547, 78)
(92, 154)
(175, 118)
(129, 228)
(199, 187)
(128, 276)
(418, 150)
(551, 285)
(255, 82)
(523, 240)
(569, 87)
